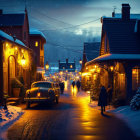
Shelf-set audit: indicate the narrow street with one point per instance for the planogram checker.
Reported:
(71, 119)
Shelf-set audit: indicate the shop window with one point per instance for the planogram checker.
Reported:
(36, 43)
(135, 78)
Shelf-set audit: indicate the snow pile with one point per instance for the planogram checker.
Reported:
(135, 102)
(132, 118)
(9, 115)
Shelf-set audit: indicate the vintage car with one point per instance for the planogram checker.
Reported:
(42, 91)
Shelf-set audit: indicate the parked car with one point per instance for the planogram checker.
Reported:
(42, 91)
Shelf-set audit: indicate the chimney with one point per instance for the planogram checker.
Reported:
(126, 11)
(67, 61)
(1, 11)
(113, 14)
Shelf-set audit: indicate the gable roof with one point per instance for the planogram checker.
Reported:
(12, 19)
(35, 32)
(5, 36)
(91, 50)
(122, 36)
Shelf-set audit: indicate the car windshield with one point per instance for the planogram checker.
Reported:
(45, 85)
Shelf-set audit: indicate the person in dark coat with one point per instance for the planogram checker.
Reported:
(61, 87)
(109, 92)
(102, 99)
(78, 84)
(73, 84)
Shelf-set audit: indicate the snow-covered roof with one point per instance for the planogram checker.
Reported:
(107, 57)
(6, 36)
(132, 16)
(119, 16)
(37, 32)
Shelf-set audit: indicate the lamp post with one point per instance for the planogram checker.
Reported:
(47, 65)
(80, 61)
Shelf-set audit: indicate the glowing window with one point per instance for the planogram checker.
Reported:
(36, 43)
(71, 66)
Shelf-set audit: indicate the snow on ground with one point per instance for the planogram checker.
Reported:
(132, 118)
(7, 117)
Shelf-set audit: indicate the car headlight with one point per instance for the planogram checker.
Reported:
(38, 94)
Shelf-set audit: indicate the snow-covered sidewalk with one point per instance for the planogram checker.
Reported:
(132, 118)
(7, 117)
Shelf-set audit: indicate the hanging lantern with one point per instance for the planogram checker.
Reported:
(80, 61)
(47, 65)
(23, 61)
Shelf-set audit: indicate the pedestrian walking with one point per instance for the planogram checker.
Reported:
(73, 84)
(109, 93)
(62, 87)
(78, 84)
(102, 99)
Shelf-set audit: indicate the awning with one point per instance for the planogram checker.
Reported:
(108, 57)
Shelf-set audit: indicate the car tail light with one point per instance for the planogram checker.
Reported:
(38, 94)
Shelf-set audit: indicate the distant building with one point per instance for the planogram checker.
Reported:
(90, 51)
(67, 66)
(16, 25)
(37, 41)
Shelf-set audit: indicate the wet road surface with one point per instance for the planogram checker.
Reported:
(71, 119)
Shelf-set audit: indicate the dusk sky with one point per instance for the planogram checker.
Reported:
(58, 20)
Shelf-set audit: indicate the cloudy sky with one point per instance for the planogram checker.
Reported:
(67, 24)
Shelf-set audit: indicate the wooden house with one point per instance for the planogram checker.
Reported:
(119, 59)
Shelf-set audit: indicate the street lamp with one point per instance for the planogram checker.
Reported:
(80, 61)
(47, 65)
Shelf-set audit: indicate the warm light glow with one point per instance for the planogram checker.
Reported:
(95, 66)
(92, 70)
(66, 70)
(47, 66)
(134, 71)
(38, 94)
(80, 73)
(86, 73)
(88, 92)
(98, 70)
(36, 43)
(61, 72)
(80, 61)
(71, 66)
(111, 68)
(95, 76)
(7, 45)
(75, 70)
(86, 68)
(66, 85)
(23, 61)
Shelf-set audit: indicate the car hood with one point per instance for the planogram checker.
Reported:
(38, 89)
